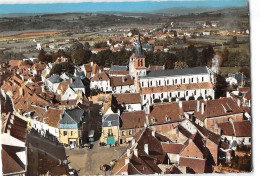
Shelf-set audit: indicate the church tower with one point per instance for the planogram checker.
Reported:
(137, 63)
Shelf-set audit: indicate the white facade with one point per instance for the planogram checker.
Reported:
(52, 86)
(133, 107)
(69, 94)
(124, 89)
(101, 85)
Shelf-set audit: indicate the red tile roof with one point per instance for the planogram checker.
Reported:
(52, 117)
(198, 165)
(238, 128)
(158, 48)
(172, 147)
(195, 86)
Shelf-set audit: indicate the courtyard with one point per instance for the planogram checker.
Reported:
(88, 161)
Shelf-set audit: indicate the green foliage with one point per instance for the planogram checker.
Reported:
(173, 99)
(191, 98)
(221, 85)
(182, 99)
(100, 45)
(94, 92)
(242, 163)
(206, 56)
(81, 56)
(180, 65)
(63, 67)
(59, 53)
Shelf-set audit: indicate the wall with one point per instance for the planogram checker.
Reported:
(105, 85)
(104, 136)
(65, 139)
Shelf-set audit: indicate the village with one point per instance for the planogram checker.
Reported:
(128, 102)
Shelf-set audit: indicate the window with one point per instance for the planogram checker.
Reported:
(159, 82)
(194, 92)
(187, 93)
(175, 81)
(202, 79)
(191, 79)
(249, 139)
(178, 94)
(205, 92)
(184, 80)
(123, 133)
(71, 133)
(109, 123)
(168, 119)
(162, 95)
(144, 97)
(170, 94)
(65, 133)
(130, 132)
(167, 81)
(153, 120)
(142, 84)
(153, 96)
(151, 83)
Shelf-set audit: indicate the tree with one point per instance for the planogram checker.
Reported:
(42, 55)
(86, 46)
(221, 85)
(56, 69)
(100, 45)
(134, 31)
(63, 67)
(180, 65)
(81, 56)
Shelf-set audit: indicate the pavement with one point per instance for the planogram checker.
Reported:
(88, 161)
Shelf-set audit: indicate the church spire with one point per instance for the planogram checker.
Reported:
(139, 50)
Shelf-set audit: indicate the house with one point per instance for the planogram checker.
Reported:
(127, 102)
(236, 79)
(236, 132)
(70, 127)
(110, 129)
(142, 156)
(50, 122)
(118, 68)
(124, 84)
(100, 81)
(195, 83)
(130, 124)
(90, 69)
(14, 148)
(53, 82)
(210, 112)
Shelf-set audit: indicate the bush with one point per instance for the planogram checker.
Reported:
(191, 98)
(182, 99)
(157, 101)
(94, 92)
(165, 100)
(200, 98)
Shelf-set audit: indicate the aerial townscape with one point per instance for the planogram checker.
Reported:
(126, 93)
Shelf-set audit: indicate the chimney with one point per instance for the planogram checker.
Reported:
(133, 142)
(180, 104)
(146, 149)
(198, 105)
(127, 161)
(128, 153)
(136, 152)
(202, 108)
(153, 133)
(238, 102)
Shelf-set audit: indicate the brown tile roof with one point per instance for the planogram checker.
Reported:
(238, 128)
(244, 89)
(198, 165)
(172, 147)
(131, 120)
(173, 170)
(100, 77)
(10, 161)
(145, 164)
(218, 107)
(160, 112)
(154, 67)
(52, 117)
(13, 63)
(63, 86)
(156, 48)
(248, 95)
(195, 86)
(121, 81)
(117, 72)
(127, 98)
(38, 66)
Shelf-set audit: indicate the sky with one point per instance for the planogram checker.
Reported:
(45, 6)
